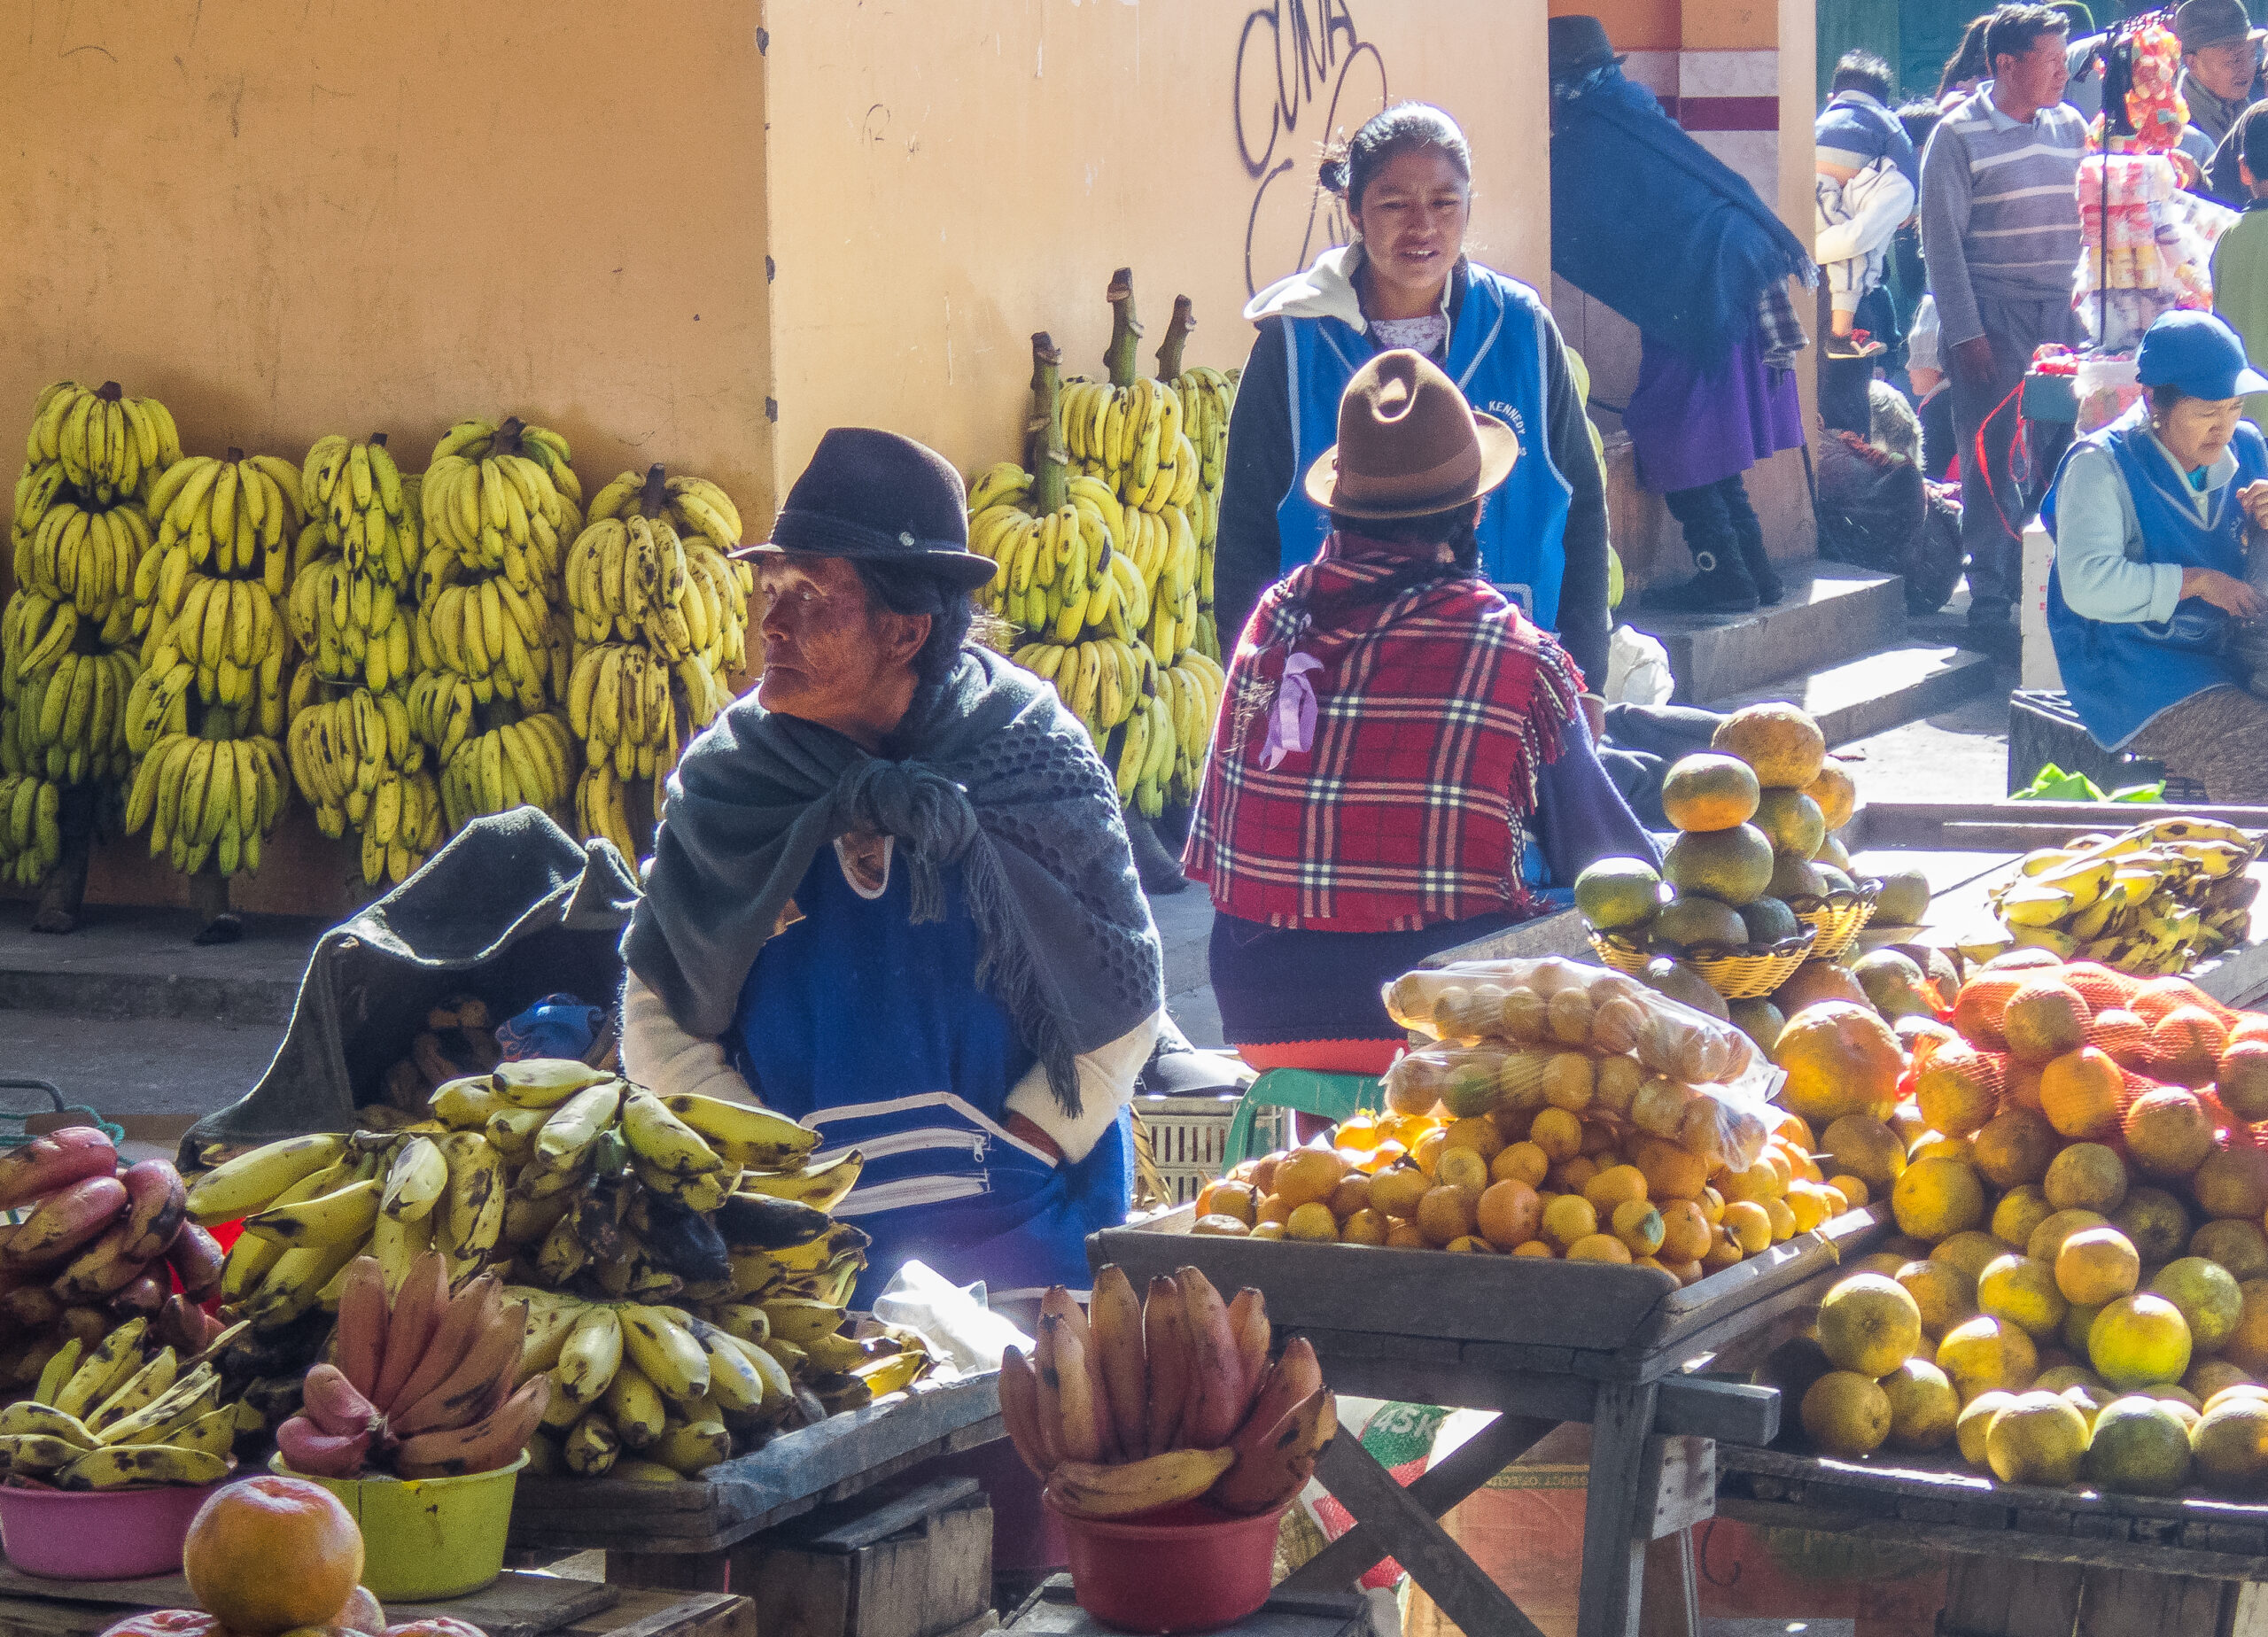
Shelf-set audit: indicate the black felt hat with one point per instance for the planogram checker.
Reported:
(877, 496)
(1575, 45)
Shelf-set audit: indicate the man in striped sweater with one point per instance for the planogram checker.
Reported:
(2000, 233)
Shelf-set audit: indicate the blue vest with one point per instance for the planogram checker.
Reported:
(2121, 675)
(1496, 359)
(873, 1029)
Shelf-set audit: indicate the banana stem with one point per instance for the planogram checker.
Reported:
(507, 440)
(1125, 331)
(110, 392)
(377, 439)
(1177, 329)
(235, 453)
(654, 498)
(1045, 448)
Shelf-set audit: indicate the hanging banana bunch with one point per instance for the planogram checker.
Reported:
(363, 541)
(1208, 395)
(104, 445)
(215, 794)
(653, 599)
(519, 762)
(503, 496)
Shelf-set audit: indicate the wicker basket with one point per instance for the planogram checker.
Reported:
(1838, 918)
(1736, 973)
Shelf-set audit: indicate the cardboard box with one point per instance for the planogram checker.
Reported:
(2040, 670)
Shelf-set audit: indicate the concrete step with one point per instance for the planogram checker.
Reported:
(136, 963)
(1830, 612)
(1879, 690)
(129, 1065)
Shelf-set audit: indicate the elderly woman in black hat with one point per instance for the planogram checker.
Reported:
(891, 897)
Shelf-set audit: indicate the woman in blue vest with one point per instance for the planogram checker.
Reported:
(891, 897)
(1406, 183)
(2147, 596)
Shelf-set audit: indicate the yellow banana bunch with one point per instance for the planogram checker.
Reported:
(502, 641)
(530, 762)
(716, 606)
(228, 630)
(503, 497)
(85, 555)
(1192, 687)
(602, 811)
(209, 797)
(31, 834)
(690, 505)
(2154, 899)
(619, 704)
(366, 511)
(231, 516)
(104, 444)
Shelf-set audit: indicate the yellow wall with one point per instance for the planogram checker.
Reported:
(286, 220)
(947, 179)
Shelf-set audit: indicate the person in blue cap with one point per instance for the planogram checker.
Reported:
(2149, 517)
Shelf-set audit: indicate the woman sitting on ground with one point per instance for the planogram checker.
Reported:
(1393, 726)
(2149, 591)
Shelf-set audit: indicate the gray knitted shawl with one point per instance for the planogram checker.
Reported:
(994, 777)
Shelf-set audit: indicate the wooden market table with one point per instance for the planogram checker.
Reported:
(517, 1605)
(1540, 1342)
(683, 1536)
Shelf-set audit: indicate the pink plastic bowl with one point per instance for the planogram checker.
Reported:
(1186, 1568)
(98, 1535)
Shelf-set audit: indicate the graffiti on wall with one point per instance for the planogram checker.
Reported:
(1304, 77)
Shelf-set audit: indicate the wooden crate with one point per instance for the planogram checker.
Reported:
(517, 1605)
(700, 1518)
(918, 1564)
(1595, 1320)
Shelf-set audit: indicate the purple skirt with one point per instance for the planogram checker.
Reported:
(1692, 427)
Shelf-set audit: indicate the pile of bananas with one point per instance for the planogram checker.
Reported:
(358, 761)
(1064, 569)
(501, 640)
(2155, 899)
(105, 445)
(363, 541)
(652, 597)
(224, 636)
(419, 1378)
(130, 1415)
(503, 496)
(1153, 1399)
(211, 796)
(86, 556)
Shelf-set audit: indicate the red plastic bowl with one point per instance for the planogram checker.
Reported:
(1186, 1568)
(120, 1535)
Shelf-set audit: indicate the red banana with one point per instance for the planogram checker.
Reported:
(1165, 1332)
(1294, 1377)
(156, 1206)
(53, 1161)
(1020, 1411)
(337, 1405)
(64, 1221)
(473, 1389)
(361, 1338)
(30, 1308)
(471, 1312)
(1248, 1322)
(494, 1441)
(1218, 1395)
(307, 1448)
(197, 1258)
(145, 1297)
(418, 1305)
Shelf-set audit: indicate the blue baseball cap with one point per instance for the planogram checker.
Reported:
(2198, 353)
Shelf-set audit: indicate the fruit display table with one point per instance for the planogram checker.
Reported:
(681, 1535)
(517, 1605)
(1541, 1342)
(1051, 1611)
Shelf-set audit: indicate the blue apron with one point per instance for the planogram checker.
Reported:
(1496, 359)
(2121, 675)
(871, 1029)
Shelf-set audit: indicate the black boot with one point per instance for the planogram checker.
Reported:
(1723, 585)
(1748, 529)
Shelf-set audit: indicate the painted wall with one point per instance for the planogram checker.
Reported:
(946, 179)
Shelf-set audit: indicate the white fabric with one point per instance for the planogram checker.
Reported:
(1637, 669)
(663, 1059)
(1854, 224)
(1107, 1077)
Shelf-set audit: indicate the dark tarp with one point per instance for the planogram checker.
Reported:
(512, 909)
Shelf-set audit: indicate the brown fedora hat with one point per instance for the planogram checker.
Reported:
(1409, 444)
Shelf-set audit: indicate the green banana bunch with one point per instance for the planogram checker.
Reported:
(106, 445)
(70, 720)
(31, 834)
(530, 762)
(503, 497)
(216, 797)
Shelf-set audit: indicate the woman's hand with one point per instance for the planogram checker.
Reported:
(2254, 497)
(2222, 591)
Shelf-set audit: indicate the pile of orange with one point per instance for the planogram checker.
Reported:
(1542, 1182)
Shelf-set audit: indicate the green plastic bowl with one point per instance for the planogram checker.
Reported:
(424, 1538)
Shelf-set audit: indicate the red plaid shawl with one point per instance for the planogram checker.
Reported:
(1435, 707)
